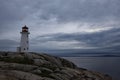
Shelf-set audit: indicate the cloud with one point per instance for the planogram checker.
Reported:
(58, 24)
(63, 11)
(6, 44)
(82, 10)
(104, 40)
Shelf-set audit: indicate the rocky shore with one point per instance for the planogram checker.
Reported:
(36, 66)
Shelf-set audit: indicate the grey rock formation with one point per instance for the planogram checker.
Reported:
(34, 66)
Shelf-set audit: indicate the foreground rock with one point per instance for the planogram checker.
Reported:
(33, 66)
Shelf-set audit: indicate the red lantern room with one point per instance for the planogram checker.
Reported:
(25, 29)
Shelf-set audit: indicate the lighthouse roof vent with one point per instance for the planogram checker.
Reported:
(25, 27)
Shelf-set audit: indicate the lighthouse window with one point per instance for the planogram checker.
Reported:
(24, 48)
(27, 41)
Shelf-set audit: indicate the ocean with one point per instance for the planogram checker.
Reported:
(106, 65)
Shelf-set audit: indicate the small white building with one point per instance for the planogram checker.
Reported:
(24, 43)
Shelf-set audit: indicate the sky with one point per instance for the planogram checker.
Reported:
(62, 26)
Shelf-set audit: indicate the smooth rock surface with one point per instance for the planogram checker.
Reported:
(34, 66)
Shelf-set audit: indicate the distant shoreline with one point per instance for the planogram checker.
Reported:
(95, 56)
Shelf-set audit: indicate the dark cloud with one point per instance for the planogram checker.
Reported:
(63, 10)
(12, 13)
(6, 44)
(80, 10)
(40, 15)
(108, 40)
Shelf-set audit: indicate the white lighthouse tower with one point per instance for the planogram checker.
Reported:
(24, 44)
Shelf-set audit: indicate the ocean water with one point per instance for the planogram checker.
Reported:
(106, 65)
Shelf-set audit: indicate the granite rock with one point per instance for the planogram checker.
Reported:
(36, 66)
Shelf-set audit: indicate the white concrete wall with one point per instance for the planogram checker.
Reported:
(24, 44)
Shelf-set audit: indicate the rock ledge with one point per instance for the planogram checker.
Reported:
(34, 66)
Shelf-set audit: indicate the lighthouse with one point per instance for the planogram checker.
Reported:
(24, 43)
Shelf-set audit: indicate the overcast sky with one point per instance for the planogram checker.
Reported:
(74, 26)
